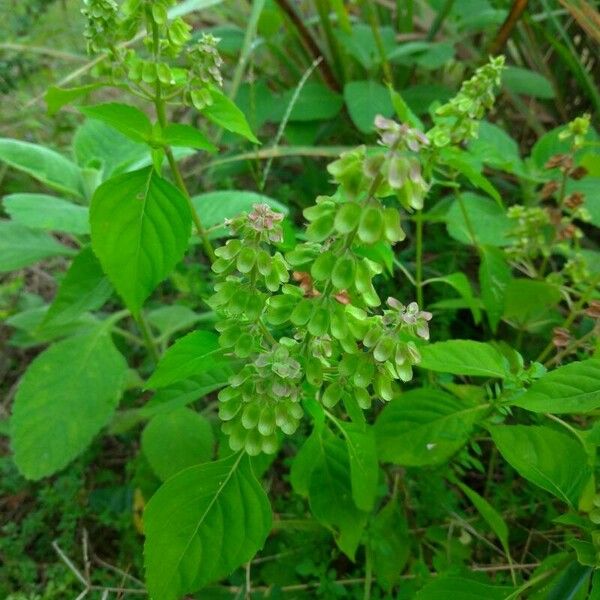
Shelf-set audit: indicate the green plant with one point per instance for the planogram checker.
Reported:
(381, 433)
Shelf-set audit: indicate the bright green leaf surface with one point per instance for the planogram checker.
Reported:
(201, 524)
(140, 229)
(126, 119)
(68, 393)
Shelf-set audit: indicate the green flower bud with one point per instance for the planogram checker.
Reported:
(314, 371)
(319, 322)
(344, 270)
(392, 228)
(364, 373)
(347, 217)
(362, 397)
(246, 259)
(320, 229)
(244, 345)
(370, 229)
(302, 312)
(323, 266)
(384, 349)
(332, 395)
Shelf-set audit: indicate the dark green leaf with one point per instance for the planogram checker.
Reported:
(572, 388)
(527, 83)
(314, 103)
(494, 277)
(126, 119)
(425, 427)
(551, 460)
(365, 100)
(464, 357)
(177, 134)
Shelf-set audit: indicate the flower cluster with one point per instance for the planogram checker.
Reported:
(307, 322)
(458, 120)
(101, 23)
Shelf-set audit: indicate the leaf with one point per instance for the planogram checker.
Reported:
(461, 283)
(140, 229)
(43, 164)
(490, 224)
(57, 97)
(40, 211)
(96, 145)
(170, 319)
(470, 166)
(364, 468)
(572, 388)
(84, 288)
(551, 460)
(461, 588)
(463, 357)
(528, 304)
(226, 114)
(315, 102)
(403, 111)
(360, 43)
(389, 544)
(202, 524)
(68, 393)
(176, 134)
(574, 579)
(365, 100)
(491, 516)
(527, 83)
(126, 119)
(21, 246)
(193, 354)
(494, 277)
(330, 494)
(304, 462)
(425, 427)
(215, 207)
(494, 147)
(175, 440)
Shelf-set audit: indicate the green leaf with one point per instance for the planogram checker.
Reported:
(315, 102)
(403, 111)
(389, 544)
(45, 165)
(461, 588)
(425, 427)
(360, 43)
(529, 304)
(527, 83)
(550, 459)
(470, 166)
(330, 493)
(175, 440)
(96, 145)
(126, 119)
(490, 224)
(68, 393)
(494, 277)
(226, 114)
(57, 97)
(140, 229)
(202, 524)
(84, 288)
(365, 100)
(574, 579)
(170, 319)
(40, 211)
(21, 246)
(193, 354)
(572, 388)
(304, 462)
(463, 357)
(187, 136)
(364, 468)
(491, 516)
(494, 147)
(215, 207)
(461, 283)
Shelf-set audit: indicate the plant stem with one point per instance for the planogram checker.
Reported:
(159, 104)
(147, 337)
(419, 258)
(368, 575)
